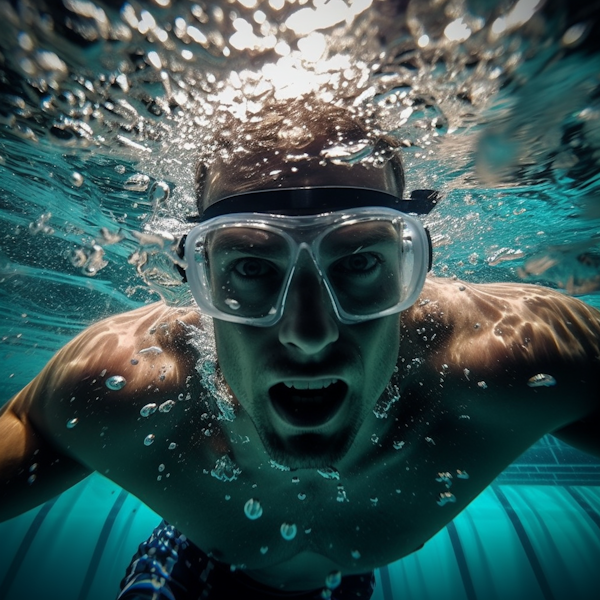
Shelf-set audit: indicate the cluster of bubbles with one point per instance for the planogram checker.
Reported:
(147, 84)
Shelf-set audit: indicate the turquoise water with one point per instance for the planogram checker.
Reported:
(99, 116)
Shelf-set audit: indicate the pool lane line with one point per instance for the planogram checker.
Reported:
(386, 583)
(584, 504)
(19, 557)
(526, 543)
(461, 559)
(101, 545)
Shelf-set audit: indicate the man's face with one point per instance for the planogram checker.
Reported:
(309, 382)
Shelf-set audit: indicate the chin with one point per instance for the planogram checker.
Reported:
(308, 450)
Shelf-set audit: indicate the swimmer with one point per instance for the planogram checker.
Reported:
(331, 438)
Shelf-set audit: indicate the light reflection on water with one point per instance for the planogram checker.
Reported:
(105, 108)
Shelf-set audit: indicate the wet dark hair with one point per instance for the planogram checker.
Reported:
(284, 131)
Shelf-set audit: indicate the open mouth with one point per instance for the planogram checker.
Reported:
(308, 403)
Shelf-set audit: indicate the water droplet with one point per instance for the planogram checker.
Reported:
(264, 549)
(541, 380)
(252, 509)
(329, 473)
(149, 439)
(159, 192)
(476, 326)
(225, 469)
(161, 468)
(72, 422)
(461, 288)
(134, 361)
(172, 446)
(147, 410)
(333, 580)
(116, 382)
(445, 497)
(288, 531)
(482, 385)
(165, 407)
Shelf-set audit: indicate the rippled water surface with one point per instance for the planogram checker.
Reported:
(106, 106)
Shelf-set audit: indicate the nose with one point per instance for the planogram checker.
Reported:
(308, 324)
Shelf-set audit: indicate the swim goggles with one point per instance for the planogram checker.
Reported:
(372, 260)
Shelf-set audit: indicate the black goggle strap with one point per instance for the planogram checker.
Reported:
(311, 201)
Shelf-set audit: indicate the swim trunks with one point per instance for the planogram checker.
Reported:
(168, 566)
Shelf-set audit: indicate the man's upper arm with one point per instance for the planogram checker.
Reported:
(32, 470)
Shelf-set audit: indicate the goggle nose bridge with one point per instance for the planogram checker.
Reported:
(308, 247)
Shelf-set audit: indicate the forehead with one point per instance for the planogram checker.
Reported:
(221, 183)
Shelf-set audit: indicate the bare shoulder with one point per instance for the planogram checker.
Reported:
(123, 353)
(506, 322)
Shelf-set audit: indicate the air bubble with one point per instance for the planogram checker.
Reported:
(252, 509)
(398, 445)
(116, 382)
(224, 469)
(288, 531)
(329, 473)
(137, 183)
(159, 192)
(333, 580)
(148, 410)
(72, 422)
(445, 497)
(165, 407)
(482, 385)
(541, 380)
(172, 446)
(150, 350)
(264, 549)
(31, 479)
(355, 554)
(161, 468)
(149, 439)
(233, 304)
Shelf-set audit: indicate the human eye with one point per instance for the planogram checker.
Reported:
(252, 268)
(359, 264)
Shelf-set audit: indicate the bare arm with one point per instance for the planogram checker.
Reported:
(31, 470)
(40, 455)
